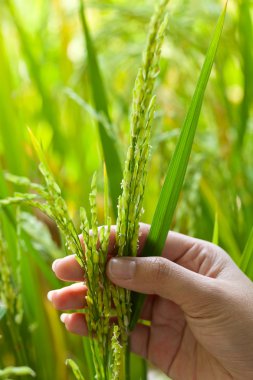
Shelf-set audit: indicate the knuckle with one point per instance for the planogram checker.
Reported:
(213, 250)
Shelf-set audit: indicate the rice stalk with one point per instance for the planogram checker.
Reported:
(98, 298)
(135, 171)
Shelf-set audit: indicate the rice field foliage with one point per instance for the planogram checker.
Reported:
(50, 83)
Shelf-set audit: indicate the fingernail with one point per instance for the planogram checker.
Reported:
(123, 269)
(54, 265)
(64, 317)
(49, 295)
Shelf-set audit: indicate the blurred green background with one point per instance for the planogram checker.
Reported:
(45, 83)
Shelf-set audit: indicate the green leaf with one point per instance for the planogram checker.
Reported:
(247, 257)
(111, 156)
(177, 168)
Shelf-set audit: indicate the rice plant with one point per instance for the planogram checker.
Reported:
(109, 363)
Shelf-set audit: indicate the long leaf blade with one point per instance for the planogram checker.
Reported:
(111, 156)
(177, 168)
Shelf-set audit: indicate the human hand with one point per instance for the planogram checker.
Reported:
(199, 303)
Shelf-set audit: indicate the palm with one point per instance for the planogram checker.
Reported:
(171, 345)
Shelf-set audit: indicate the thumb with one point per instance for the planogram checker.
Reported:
(160, 276)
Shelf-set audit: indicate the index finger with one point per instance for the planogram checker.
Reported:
(68, 269)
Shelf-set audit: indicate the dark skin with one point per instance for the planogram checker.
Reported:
(199, 304)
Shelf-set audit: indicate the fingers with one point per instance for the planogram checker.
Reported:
(160, 276)
(194, 254)
(68, 269)
(139, 340)
(73, 297)
(178, 248)
(70, 297)
(146, 313)
(75, 323)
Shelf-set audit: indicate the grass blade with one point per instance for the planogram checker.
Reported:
(111, 156)
(246, 264)
(177, 168)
